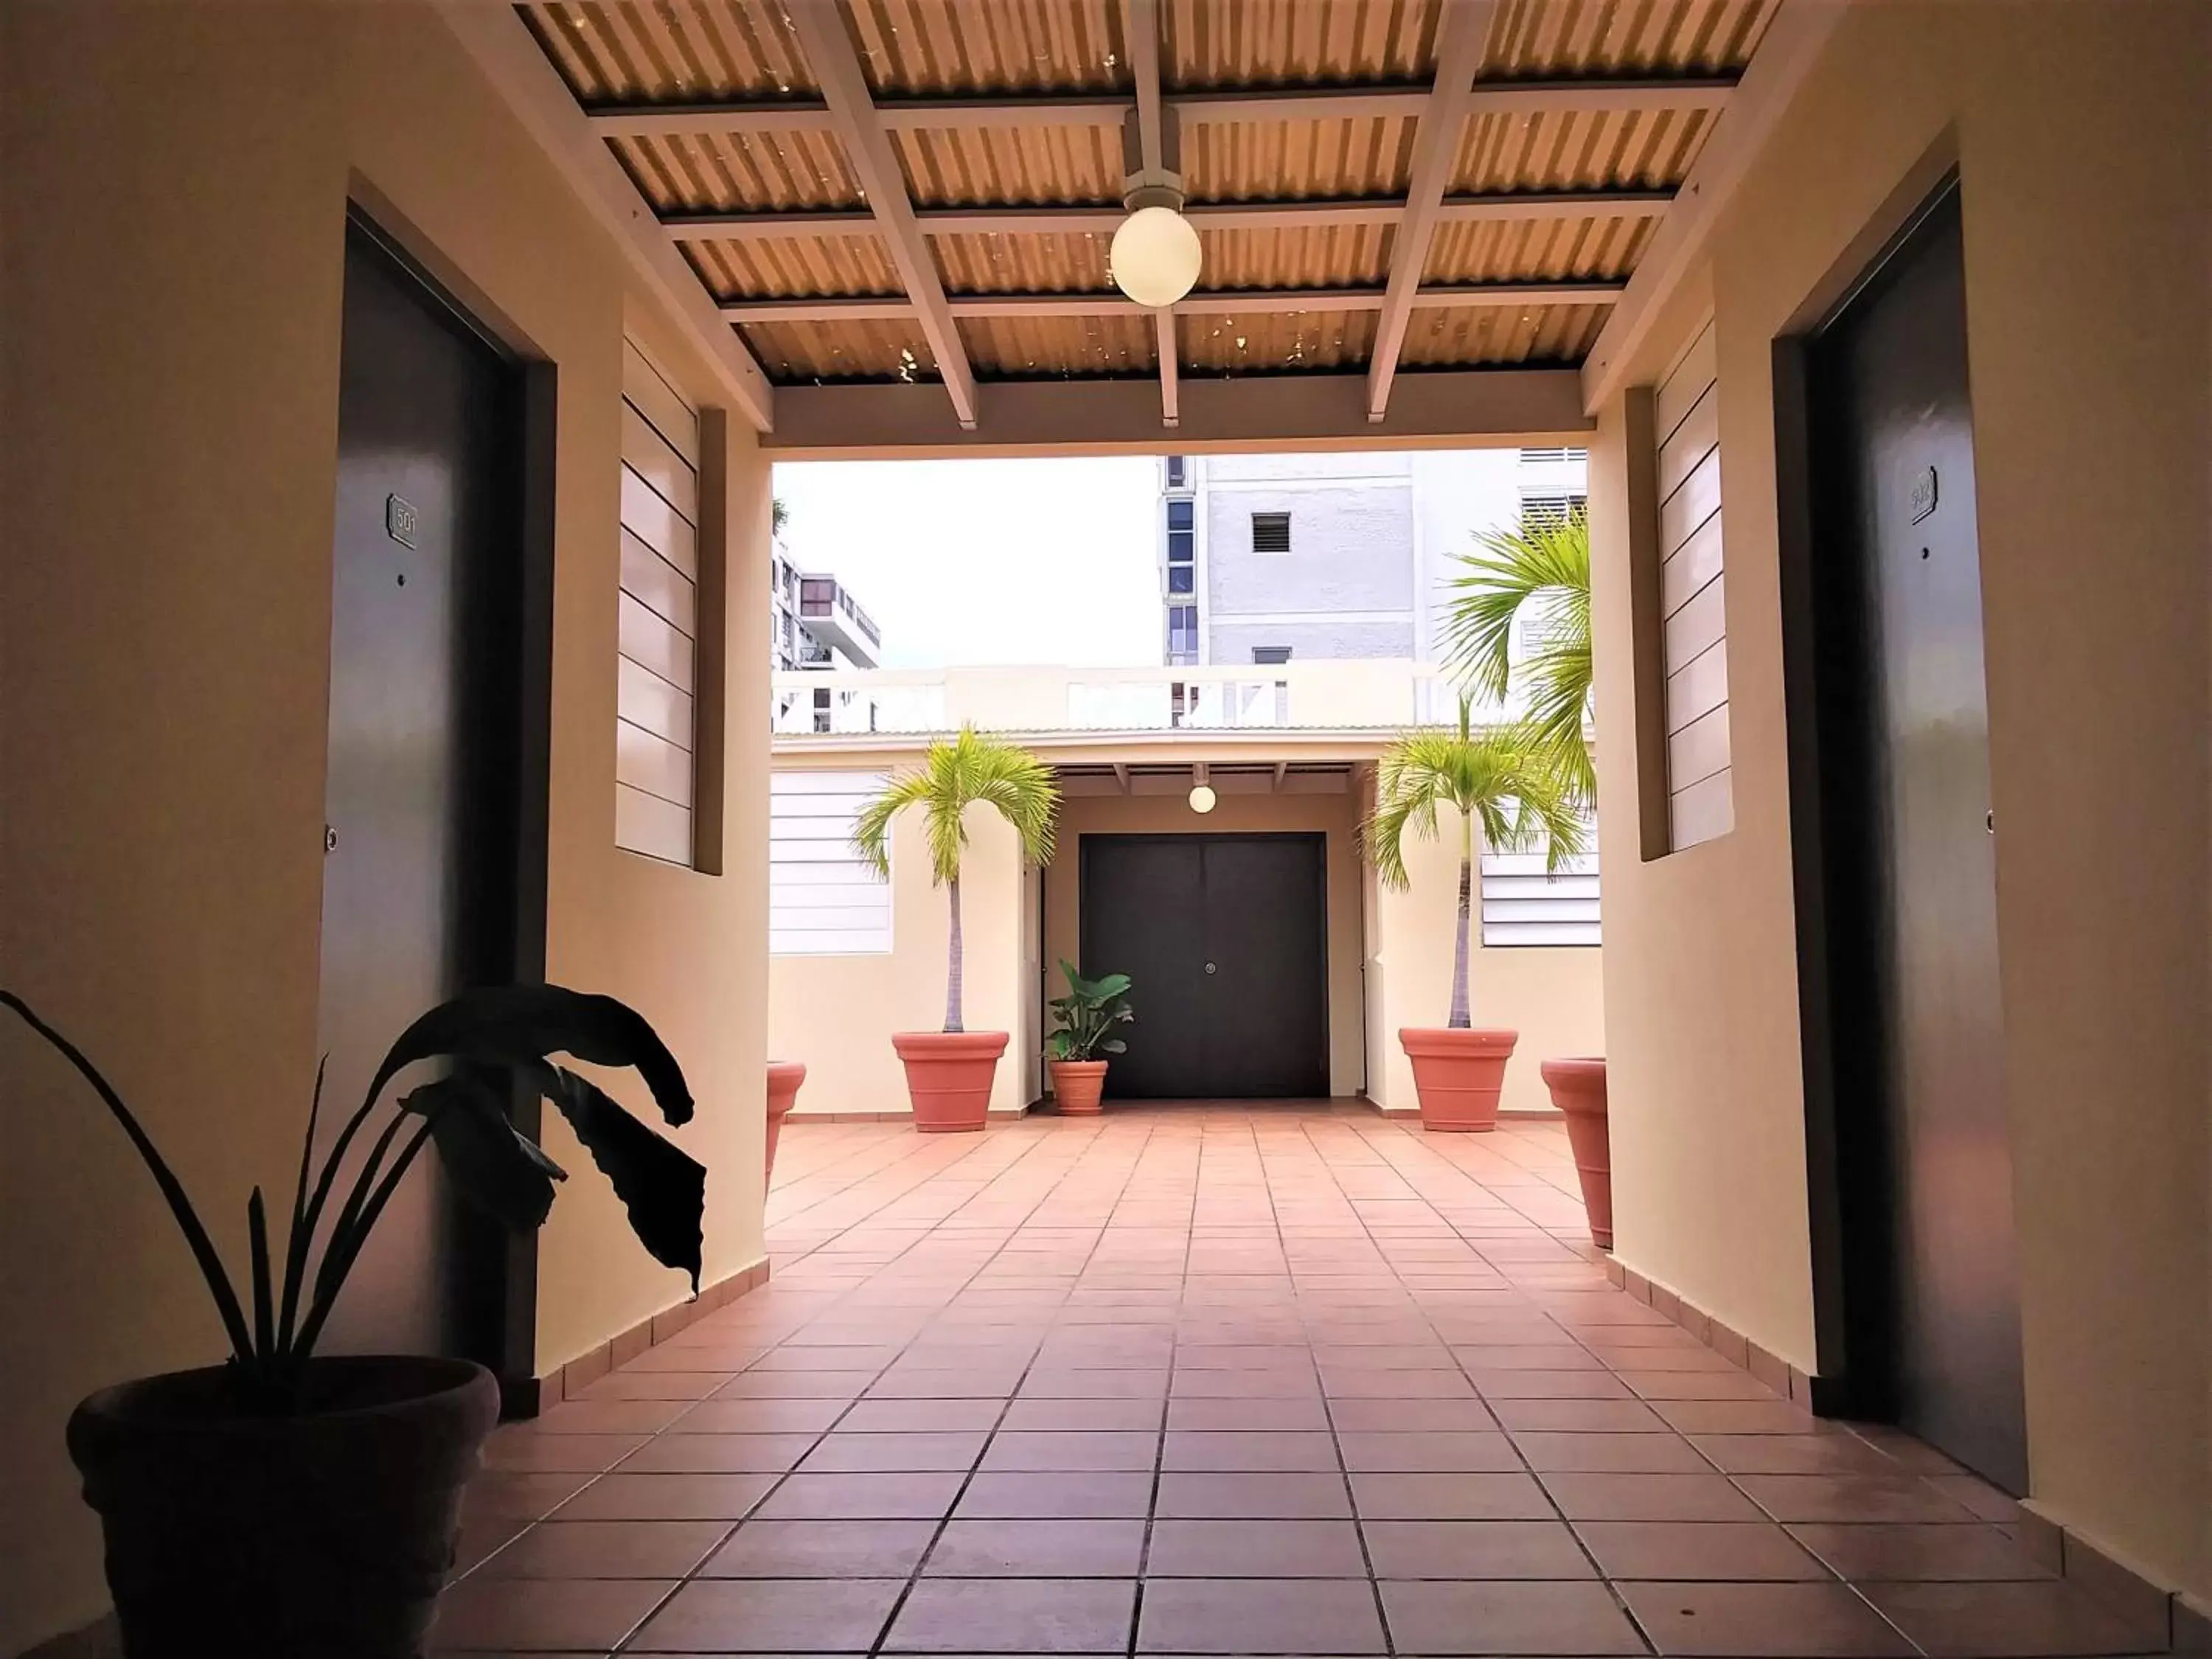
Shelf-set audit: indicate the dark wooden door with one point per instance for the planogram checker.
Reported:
(1225, 938)
(1922, 1118)
(421, 775)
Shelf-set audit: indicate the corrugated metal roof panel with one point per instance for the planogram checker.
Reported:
(1010, 167)
(1326, 256)
(796, 266)
(764, 172)
(1547, 37)
(1001, 263)
(671, 51)
(1530, 250)
(1264, 43)
(1287, 160)
(949, 48)
(1030, 348)
(1455, 337)
(840, 351)
(1594, 150)
(1275, 342)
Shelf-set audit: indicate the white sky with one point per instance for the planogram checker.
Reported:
(984, 561)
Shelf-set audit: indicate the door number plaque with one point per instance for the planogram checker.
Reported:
(399, 521)
(1922, 496)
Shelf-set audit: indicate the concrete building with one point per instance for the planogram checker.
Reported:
(814, 622)
(1284, 558)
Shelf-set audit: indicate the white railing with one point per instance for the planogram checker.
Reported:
(1380, 694)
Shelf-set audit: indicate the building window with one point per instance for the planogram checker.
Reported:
(1549, 509)
(1178, 471)
(1179, 515)
(1182, 634)
(1525, 904)
(1182, 578)
(822, 899)
(1271, 653)
(1180, 545)
(1271, 532)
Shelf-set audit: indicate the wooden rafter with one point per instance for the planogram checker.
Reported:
(867, 146)
(1530, 204)
(1225, 302)
(1190, 108)
(1459, 41)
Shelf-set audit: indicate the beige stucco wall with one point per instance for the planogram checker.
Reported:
(1332, 815)
(1554, 997)
(836, 1013)
(2081, 134)
(173, 184)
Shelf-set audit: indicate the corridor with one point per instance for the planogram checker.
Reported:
(1192, 1379)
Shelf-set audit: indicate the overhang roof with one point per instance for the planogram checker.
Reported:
(924, 191)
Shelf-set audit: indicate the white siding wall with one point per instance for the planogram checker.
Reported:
(822, 899)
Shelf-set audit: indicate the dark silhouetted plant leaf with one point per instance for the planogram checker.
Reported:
(663, 1188)
(500, 1170)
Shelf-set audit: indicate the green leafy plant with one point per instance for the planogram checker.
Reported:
(1507, 780)
(1088, 1014)
(498, 1039)
(955, 774)
(1545, 567)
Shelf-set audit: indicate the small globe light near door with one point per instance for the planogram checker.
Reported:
(1202, 798)
(1156, 255)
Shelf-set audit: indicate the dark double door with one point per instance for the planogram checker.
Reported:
(421, 798)
(1930, 1289)
(1226, 938)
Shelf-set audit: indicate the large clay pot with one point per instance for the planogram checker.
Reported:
(1457, 1074)
(784, 1077)
(948, 1076)
(327, 1533)
(1577, 1089)
(1078, 1087)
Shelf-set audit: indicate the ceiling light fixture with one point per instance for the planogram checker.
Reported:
(1155, 254)
(1202, 798)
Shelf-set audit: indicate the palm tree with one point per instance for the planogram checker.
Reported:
(1507, 779)
(1545, 564)
(778, 514)
(953, 775)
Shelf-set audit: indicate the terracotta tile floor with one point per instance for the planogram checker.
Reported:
(1213, 1380)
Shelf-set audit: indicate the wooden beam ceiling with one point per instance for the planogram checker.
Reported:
(1225, 302)
(1461, 38)
(867, 146)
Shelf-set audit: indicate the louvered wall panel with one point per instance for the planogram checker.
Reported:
(1694, 599)
(822, 899)
(657, 617)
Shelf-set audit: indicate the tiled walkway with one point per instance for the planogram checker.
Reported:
(1217, 1380)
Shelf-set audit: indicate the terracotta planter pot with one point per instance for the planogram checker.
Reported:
(1077, 1085)
(784, 1077)
(948, 1074)
(1457, 1075)
(330, 1533)
(1577, 1089)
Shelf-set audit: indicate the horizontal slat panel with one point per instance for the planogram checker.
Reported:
(825, 851)
(1497, 933)
(651, 456)
(1535, 887)
(664, 590)
(658, 525)
(800, 808)
(1697, 368)
(788, 784)
(644, 699)
(1698, 750)
(652, 643)
(1699, 686)
(832, 918)
(645, 824)
(1535, 864)
(829, 878)
(1706, 809)
(802, 942)
(672, 417)
(1696, 562)
(653, 764)
(1696, 500)
(1692, 441)
(1698, 623)
(1541, 910)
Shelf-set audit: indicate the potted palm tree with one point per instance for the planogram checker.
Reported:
(288, 1502)
(1505, 780)
(949, 1072)
(1087, 1015)
(1544, 569)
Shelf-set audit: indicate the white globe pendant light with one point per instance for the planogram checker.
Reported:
(1155, 254)
(1202, 798)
